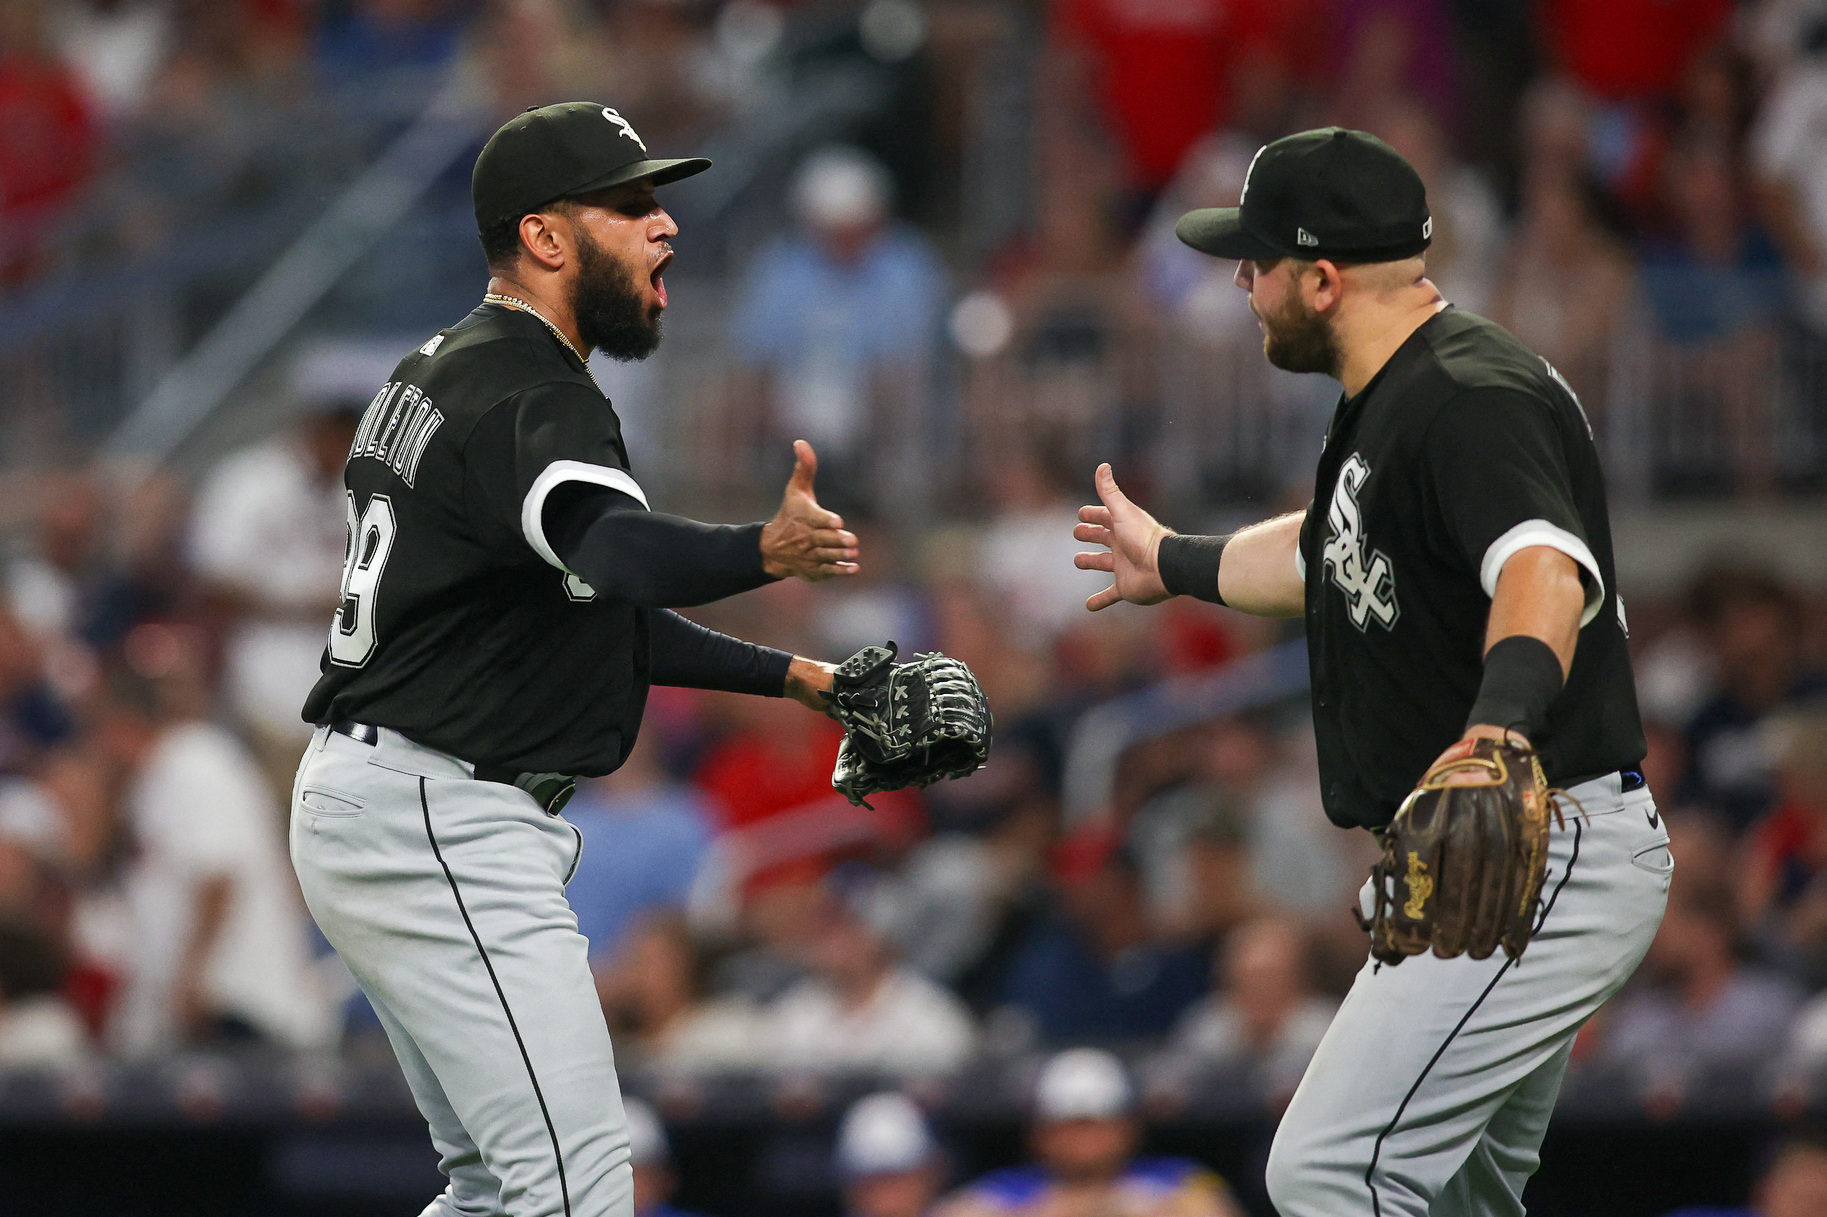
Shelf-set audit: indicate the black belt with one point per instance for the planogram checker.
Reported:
(1628, 780)
(550, 790)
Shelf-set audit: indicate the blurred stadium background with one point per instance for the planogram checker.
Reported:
(937, 242)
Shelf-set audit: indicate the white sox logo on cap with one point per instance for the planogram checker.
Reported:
(627, 130)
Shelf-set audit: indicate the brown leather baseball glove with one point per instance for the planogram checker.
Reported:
(1463, 865)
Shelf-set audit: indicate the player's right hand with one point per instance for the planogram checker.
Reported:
(1133, 541)
(803, 538)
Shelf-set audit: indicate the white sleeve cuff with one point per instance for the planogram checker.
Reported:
(1300, 562)
(1540, 532)
(532, 508)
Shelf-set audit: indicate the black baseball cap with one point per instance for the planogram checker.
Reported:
(1331, 193)
(555, 152)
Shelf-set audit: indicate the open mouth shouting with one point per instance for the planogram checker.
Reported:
(659, 284)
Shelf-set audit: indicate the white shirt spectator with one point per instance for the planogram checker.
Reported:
(266, 527)
(1214, 1032)
(909, 1026)
(199, 808)
(1789, 146)
(40, 1032)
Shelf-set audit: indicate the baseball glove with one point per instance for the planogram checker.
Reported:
(906, 724)
(1463, 865)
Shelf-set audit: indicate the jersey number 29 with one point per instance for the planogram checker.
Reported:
(370, 541)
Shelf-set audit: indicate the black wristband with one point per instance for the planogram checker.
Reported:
(1189, 565)
(1522, 677)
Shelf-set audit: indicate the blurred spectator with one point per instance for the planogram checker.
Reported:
(861, 1010)
(1566, 287)
(652, 994)
(962, 894)
(1625, 50)
(1265, 1021)
(116, 48)
(836, 326)
(38, 1027)
(1084, 1136)
(1715, 285)
(650, 1156)
(380, 38)
(887, 1159)
(1468, 225)
(879, 602)
(1782, 893)
(1024, 554)
(268, 535)
(49, 583)
(644, 837)
(1156, 71)
(1098, 968)
(32, 716)
(1789, 157)
(1794, 1184)
(1751, 622)
(47, 137)
(219, 952)
(769, 780)
(1390, 50)
(1702, 1018)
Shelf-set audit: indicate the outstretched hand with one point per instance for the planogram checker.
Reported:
(803, 538)
(1133, 541)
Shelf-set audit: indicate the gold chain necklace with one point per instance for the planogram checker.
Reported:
(517, 302)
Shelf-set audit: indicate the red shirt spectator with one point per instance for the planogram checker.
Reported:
(772, 785)
(1627, 49)
(47, 147)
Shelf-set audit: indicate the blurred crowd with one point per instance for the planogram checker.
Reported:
(1637, 187)
(984, 254)
(742, 917)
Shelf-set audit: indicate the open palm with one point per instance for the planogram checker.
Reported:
(1132, 540)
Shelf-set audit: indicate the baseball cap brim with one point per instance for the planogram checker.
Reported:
(1219, 231)
(661, 171)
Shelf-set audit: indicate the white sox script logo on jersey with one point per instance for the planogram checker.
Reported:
(627, 130)
(1363, 574)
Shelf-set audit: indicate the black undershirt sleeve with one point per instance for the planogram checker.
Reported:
(687, 655)
(649, 558)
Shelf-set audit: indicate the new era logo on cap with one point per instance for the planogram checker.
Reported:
(1303, 237)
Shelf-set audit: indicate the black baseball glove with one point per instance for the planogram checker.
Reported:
(906, 724)
(1463, 865)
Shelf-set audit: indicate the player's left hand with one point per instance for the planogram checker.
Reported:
(803, 538)
(1464, 747)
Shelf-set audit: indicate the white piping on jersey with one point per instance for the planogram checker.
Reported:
(1540, 532)
(532, 525)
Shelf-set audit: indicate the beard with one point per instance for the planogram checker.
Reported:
(1297, 339)
(612, 314)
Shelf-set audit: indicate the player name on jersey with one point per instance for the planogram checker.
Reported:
(395, 428)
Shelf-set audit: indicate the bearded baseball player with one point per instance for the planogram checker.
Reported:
(1472, 692)
(505, 605)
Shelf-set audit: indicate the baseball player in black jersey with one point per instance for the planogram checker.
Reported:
(1455, 573)
(505, 606)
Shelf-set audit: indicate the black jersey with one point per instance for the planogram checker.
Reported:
(459, 626)
(1465, 448)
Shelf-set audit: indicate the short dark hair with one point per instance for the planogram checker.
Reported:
(501, 243)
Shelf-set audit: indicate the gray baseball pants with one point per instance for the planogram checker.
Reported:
(446, 898)
(1431, 1092)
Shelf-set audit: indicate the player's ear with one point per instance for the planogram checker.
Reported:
(1323, 284)
(540, 238)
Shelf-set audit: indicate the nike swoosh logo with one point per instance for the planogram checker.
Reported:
(1655, 821)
